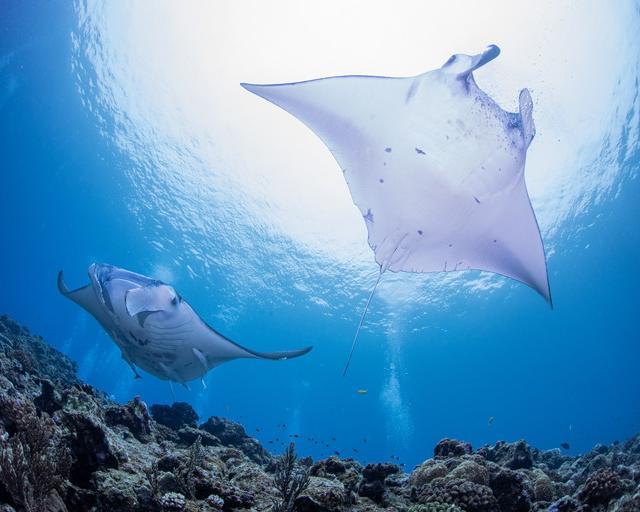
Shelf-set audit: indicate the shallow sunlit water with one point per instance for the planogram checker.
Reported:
(126, 138)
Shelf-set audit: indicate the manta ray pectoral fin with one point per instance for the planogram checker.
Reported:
(85, 297)
(82, 296)
(280, 356)
(224, 349)
(204, 384)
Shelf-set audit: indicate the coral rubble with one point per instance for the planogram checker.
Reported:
(66, 447)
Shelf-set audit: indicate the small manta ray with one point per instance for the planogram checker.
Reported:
(565, 446)
(434, 165)
(155, 328)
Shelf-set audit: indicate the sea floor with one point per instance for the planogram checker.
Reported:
(65, 446)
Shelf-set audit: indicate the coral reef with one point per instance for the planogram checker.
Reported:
(66, 447)
(290, 479)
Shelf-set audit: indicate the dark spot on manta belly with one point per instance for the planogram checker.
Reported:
(139, 341)
(420, 152)
(420, 232)
(477, 200)
(388, 150)
(381, 180)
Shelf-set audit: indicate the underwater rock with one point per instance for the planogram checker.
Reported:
(122, 491)
(331, 466)
(348, 472)
(232, 496)
(322, 496)
(90, 446)
(553, 459)
(34, 355)
(427, 471)
(234, 434)
(471, 471)
(134, 415)
(600, 488)
(379, 471)
(466, 495)
(451, 448)
(543, 488)
(175, 416)
(516, 455)
(188, 435)
(511, 491)
(373, 480)
(49, 400)
(564, 504)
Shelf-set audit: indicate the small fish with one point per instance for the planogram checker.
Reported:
(362, 391)
(491, 420)
(565, 446)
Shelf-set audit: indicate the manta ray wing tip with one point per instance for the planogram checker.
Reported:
(62, 287)
(250, 87)
(296, 353)
(550, 300)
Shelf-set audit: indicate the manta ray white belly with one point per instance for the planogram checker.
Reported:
(154, 328)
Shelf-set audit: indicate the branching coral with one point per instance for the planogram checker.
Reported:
(185, 472)
(290, 480)
(153, 474)
(32, 462)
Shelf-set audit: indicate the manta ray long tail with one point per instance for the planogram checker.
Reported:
(364, 313)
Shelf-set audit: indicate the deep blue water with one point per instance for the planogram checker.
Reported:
(437, 357)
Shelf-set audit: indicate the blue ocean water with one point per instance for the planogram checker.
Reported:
(108, 156)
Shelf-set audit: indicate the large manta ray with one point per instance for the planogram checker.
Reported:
(155, 328)
(434, 165)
